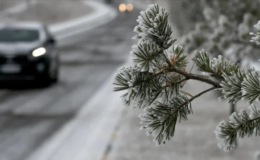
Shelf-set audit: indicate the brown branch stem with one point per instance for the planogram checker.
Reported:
(194, 97)
(190, 75)
(195, 77)
(201, 93)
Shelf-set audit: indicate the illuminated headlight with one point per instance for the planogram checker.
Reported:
(122, 8)
(39, 52)
(130, 7)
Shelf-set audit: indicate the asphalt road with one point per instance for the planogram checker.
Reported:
(29, 115)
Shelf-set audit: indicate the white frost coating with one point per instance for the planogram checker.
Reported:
(257, 26)
(220, 63)
(148, 53)
(252, 108)
(254, 111)
(251, 87)
(208, 13)
(173, 51)
(223, 138)
(169, 53)
(148, 16)
(223, 20)
(256, 36)
(243, 30)
(129, 77)
(226, 132)
(146, 56)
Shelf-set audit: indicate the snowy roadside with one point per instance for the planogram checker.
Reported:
(47, 12)
(102, 14)
(144, 3)
(7, 6)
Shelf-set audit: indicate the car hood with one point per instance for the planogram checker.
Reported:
(17, 48)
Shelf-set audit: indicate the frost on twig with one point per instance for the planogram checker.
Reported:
(239, 125)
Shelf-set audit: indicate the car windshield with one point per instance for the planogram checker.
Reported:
(18, 35)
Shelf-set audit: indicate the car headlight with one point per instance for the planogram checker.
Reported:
(130, 7)
(39, 52)
(122, 8)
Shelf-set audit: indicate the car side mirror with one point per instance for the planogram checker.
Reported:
(51, 41)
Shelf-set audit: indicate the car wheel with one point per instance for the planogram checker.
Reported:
(55, 78)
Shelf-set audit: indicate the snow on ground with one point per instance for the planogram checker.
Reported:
(145, 3)
(4, 4)
(49, 12)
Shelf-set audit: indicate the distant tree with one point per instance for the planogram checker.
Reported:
(225, 28)
(159, 71)
(185, 21)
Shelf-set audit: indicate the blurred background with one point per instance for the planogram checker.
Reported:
(76, 115)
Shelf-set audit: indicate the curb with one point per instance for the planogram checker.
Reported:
(14, 9)
(86, 136)
(101, 15)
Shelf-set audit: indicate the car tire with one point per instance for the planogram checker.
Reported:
(48, 78)
(55, 78)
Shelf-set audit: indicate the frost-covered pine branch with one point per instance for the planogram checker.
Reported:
(241, 125)
(158, 73)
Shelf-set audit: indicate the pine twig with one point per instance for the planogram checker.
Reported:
(196, 96)
(196, 77)
(190, 75)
